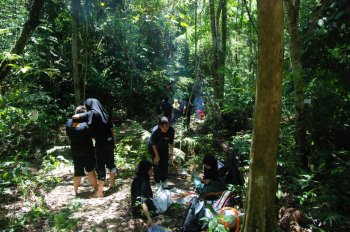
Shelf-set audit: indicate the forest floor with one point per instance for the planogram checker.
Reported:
(56, 208)
(110, 213)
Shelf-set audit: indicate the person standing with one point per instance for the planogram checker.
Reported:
(99, 120)
(167, 109)
(82, 150)
(160, 145)
(199, 107)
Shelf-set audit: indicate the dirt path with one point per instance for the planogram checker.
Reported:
(111, 213)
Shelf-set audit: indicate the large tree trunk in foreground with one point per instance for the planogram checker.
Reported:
(28, 29)
(78, 78)
(261, 215)
(295, 55)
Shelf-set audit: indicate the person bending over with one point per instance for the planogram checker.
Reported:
(142, 201)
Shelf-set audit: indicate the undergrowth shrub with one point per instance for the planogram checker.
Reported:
(29, 124)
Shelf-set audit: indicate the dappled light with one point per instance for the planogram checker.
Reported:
(90, 90)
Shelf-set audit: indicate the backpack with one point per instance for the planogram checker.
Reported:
(227, 199)
(194, 212)
(226, 203)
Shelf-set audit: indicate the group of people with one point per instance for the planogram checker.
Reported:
(179, 109)
(92, 120)
(160, 144)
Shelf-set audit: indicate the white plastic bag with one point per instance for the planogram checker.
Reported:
(162, 201)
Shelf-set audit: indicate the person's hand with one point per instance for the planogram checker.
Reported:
(206, 181)
(172, 157)
(200, 177)
(156, 160)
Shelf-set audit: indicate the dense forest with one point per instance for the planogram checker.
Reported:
(274, 76)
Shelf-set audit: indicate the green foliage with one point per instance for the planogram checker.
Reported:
(32, 213)
(26, 120)
(63, 220)
(131, 146)
(216, 222)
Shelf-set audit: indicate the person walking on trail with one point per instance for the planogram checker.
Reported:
(142, 201)
(160, 145)
(199, 107)
(159, 107)
(82, 150)
(188, 111)
(167, 109)
(176, 111)
(99, 120)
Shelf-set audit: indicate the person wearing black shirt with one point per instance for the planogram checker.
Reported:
(141, 192)
(82, 150)
(210, 181)
(142, 201)
(99, 120)
(160, 144)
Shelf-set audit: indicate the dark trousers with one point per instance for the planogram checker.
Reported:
(161, 170)
(104, 158)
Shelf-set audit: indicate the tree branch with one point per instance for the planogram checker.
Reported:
(27, 31)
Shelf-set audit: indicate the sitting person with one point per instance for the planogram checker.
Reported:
(210, 181)
(82, 150)
(142, 202)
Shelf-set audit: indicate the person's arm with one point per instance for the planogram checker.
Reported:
(157, 157)
(147, 214)
(171, 151)
(153, 139)
(206, 181)
(82, 116)
(113, 135)
(171, 143)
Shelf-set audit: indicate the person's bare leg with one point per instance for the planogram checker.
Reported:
(111, 179)
(93, 180)
(99, 192)
(76, 183)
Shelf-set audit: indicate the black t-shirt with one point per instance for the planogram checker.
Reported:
(80, 137)
(167, 109)
(161, 140)
(141, 192)
(101, 131)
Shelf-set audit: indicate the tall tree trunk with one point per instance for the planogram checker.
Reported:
(295, 55)
(218, 46)
(222, 49)
(260, 215)
(77, 63)
(214, 52)
(28, 29)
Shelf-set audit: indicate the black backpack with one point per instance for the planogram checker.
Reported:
(191, 222)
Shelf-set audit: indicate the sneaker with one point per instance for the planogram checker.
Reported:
(165, 185)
